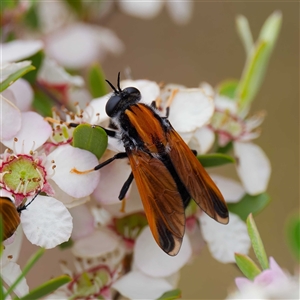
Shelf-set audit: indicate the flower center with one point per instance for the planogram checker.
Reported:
(22, 175)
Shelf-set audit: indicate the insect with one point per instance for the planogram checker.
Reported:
(11, 215)
(166, 171)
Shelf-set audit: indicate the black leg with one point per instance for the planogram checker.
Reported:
(125, 187)
(117, 156)
(167, 112)
(195, 152)
(153, 104)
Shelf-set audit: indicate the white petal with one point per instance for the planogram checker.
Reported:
(23, 94)
(99, 243)
(141, 9)
(46, 222)
(190, 109)
(67, 158)
(232, 190)
(224, 240)
(113, 176)
(225, 103)
(10, 273)
(207, 88)
(253, 167)
(8, 69)
(33, 133)
(202, 140)
(83, 222)
(115, 145)
(10, 119)
(52, 73)
(136, 285)
(153, 261)
(180, 11)
(20, 49)
(149, 89)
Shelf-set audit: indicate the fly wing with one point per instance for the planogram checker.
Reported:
(196, 180)
(162, 201)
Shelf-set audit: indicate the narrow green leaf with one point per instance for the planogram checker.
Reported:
(171, 295)
(47, 288)
(215, 159)
(257, 243)
(36, 61)
(96, 81)
(15, 76)
(91, 138)
(293, 235)
(257, 61)
(247, 266)
(227, 88)
(31, 262)
(249, 204)
(225, 149)
(42, 103)
(244, 32)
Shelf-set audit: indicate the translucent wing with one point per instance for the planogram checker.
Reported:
(196, 180)
(162, 201)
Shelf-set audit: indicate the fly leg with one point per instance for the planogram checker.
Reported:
(126, 186)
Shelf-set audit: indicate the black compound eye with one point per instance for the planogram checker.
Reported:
(111, 104)
(132, 92)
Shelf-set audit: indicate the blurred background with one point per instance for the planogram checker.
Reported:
(209, 49)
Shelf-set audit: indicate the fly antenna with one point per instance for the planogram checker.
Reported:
(19, 209)
(111, 85)
(120, 90)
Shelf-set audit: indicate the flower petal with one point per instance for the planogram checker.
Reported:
(180, 11)
(46, 222)
(224, 240)
(136, 285)
(33, 133)
(10, 273)
(202, 140)
(224, 103)
(152, 261)
(253, 167)
(10, 119)
(20, 49)
(190, 109)
(141, 9)
(232, 190)
(67, 158)
(8, 69)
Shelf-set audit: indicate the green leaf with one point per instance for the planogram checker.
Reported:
(257, 243)
(47, 288)
(15, 76)
(96, 81)
(227, 88)
(66, 245)
(31, 18)
(31, 262)
(257, 61)
(36, 61)
(249, 204)
(215, 159)
(226, 148)
(75, 5)
(247, 266)
(42, 104)
(171, 295)
(91, 138)
(244, 31)
(293, 235)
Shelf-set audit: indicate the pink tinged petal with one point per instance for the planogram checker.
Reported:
(67, 158)
(242, 283)
(99, 243)
(83, 222)
(153, 261)
(277, 271)
(224, 103)
(10, 119)
(180, 11)
(202, 140)
(20, 49)
(232, 190)
(136, 285)
(10, 273)
(46, 222)
(23, 94)
(254, 121)
(7, 69)
(113, 176)
(33, 133)
(253, 167)
(190, 110)
(52, 73)
(141, 9)
(149, 89)
(224, 240)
